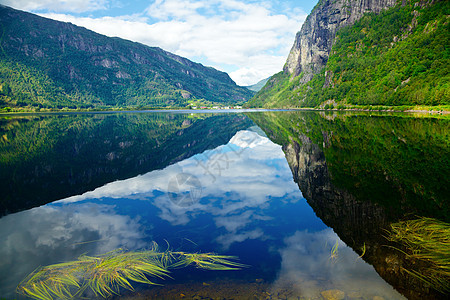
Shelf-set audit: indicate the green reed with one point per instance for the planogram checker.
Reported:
(106, 274)
(426, 240)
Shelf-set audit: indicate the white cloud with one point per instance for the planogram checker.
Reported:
(250, 41)
(58, 5)
(258, 67)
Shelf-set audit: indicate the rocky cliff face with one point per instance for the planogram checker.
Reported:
(313, 42)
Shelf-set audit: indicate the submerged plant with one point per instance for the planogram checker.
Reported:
(363, 250)
(104, 275)
(426, 240)
(334, 251)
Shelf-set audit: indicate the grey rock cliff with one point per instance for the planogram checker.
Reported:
(313, 42)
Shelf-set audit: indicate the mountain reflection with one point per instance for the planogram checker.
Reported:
(360, 173)
(44, 158)
(238, 182)
(246, 203)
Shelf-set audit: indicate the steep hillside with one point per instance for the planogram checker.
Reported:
(46, 63)
(259, 85)
(366, 52)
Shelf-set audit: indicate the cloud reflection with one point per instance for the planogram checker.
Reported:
(52, 234)
(309, 264)
(247, 194)
(238, 187)
(237, 183)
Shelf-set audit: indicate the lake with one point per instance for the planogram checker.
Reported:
(302, 199)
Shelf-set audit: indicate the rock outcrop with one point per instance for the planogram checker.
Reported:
(313, 42)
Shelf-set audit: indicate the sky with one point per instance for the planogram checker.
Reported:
(250, 40)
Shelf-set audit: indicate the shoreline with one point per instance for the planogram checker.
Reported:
(243, 110)
(183, 110)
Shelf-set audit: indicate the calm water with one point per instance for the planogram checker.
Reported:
(302, 198)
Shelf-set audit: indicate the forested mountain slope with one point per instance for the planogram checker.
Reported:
(395, 53)
(46, 63)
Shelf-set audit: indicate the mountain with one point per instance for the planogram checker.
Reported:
(381, 52)
(258, 86)
(46, 63)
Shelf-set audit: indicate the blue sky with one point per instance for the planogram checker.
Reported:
(250, 40)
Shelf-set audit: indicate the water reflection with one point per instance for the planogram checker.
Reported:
(248, 205)
(310, 268)
(239, 181)
(53, 234)
(49, 157)
(360, 173)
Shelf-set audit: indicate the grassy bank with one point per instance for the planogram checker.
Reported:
(399, 108)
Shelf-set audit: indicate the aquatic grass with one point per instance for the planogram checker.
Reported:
(363, 250)
(106, 274)
(109, 273)
(334, 251)
(207, 261)
(426, 240)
